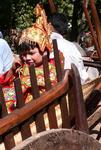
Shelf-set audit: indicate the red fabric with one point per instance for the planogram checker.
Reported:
(5, 79)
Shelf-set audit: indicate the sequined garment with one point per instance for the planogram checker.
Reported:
(9, 91)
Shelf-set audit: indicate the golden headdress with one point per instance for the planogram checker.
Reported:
(39, 32)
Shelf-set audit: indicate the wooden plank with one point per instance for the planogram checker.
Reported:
(24, 128)
(8, 140)
(52, 6)
(64, 112)
(19, 94)
(81, 119)
(57, 61)
(97, 25)
(34, 86)
(94, 117)
(52, 117)
(3, 104)
(46, 72)
(91, 27)
(40, 125)
(51, 110)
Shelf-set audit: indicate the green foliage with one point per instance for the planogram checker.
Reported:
(65, 7)
(19, 14)
(22, 14)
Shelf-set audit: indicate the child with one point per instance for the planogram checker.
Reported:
(33, 43)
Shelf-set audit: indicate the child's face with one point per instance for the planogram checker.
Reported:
(33, 57)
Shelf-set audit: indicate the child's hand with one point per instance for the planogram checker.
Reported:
(16, 63)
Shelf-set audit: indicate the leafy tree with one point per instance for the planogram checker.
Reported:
(22, 14)
(19, 14)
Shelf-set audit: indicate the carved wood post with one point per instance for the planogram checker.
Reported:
(97, 24)
(90, 26)
(52, 6)
(96, 20)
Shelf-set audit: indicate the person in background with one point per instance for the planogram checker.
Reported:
(6, 56)
(91, 87)
(72, 54)
(1, 35)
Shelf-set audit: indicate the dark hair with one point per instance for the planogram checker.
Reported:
(25, 47)
(59, 22)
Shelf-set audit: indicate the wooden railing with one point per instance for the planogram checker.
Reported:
(63, 96)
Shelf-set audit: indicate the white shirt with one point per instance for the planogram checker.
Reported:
(71, 55)
(6, 56)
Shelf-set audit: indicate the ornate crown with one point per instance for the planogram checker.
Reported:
(39, 32)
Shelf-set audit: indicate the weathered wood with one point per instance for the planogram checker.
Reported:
(34, 86)
(51, 109)
(81, 123)
(33, 107)
(46, 72)
(19, 95)
(57, 61)
(94, 117)
(64, 112)
(57, 139)
(24, 128)
(39, 121)
(9, 140)
(52, 6)
(91, 27)
(40, 126)
(3, 104)
(52, 117)
(97, 25)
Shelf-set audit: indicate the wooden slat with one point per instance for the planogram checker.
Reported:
(3, 104)
(24, 128)
(57, 61)
(97, 25)
(94, 117)
(52, 6)
(51, 110)
(46, 72)
(52, 117)
(34, 86)
(9, 141)
(64, 112)
(81, 119)
(40, 125)
(19, 95)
